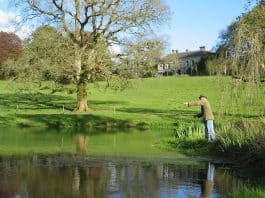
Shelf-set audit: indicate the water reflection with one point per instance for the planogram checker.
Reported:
(88, 182)
(207, 184)
(81, 143)
(99, 177)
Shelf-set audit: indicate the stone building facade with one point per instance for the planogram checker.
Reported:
(182, 62)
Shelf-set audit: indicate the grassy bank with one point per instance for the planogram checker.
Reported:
(240, 140)
(157, 102)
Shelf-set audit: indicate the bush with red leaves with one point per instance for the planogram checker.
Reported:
(10, 46)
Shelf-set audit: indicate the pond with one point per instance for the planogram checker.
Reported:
(37, 163)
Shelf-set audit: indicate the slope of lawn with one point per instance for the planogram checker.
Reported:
(155, 102)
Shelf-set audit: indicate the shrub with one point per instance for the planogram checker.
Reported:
(246, 139)
(248, 192)
(188, 129)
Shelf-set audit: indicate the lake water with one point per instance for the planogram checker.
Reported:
(37, 163)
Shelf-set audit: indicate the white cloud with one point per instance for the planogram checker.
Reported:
(7, 20)
(115, 49)
(6, 17)
(22, 32)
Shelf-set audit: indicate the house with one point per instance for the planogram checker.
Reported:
(182, 62)
(169, 65)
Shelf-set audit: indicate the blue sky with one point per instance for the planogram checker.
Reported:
(193, 23)
(198, 22)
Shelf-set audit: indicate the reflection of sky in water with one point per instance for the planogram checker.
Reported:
(190, 187)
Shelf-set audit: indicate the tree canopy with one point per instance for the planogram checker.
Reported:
(242, 46)
(90, 22)
(10, 47)
(140, 59)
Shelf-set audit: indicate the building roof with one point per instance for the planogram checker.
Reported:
(192, 53)
(187, 54)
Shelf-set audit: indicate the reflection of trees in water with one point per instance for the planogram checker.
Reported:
(89, 182)
(103, 179)
(181, 173)
(139, 181)
(81, 143)
(225, 182)
(76, 182)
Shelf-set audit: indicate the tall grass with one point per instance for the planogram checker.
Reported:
(239, 133)
(248, 192)
(246, 138)
(193, 129)
(243, 140)
(188, 136)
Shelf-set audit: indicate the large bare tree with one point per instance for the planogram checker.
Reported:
(88, 22)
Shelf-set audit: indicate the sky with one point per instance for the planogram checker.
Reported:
(193, 23)
(196, 23)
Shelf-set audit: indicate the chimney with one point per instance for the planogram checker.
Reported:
(202, 48)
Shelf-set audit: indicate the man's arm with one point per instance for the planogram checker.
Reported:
(193, 103)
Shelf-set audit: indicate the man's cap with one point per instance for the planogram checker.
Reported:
(202, 96)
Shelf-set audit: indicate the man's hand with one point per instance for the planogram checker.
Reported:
(186, 104)
(199, 115)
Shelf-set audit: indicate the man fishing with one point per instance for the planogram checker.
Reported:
(206, 114)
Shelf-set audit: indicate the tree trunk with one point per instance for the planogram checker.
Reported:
(81, 97)
(80, 80)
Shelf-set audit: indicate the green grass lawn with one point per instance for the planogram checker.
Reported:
(157, 102)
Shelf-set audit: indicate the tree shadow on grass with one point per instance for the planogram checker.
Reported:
(27, 101)
(84, 122)
(7, 120)
(28, 110)
(177, 113)
(173, 114)
(236, 115)
(40, 101)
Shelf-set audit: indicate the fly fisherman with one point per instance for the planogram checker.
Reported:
(206, 114)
